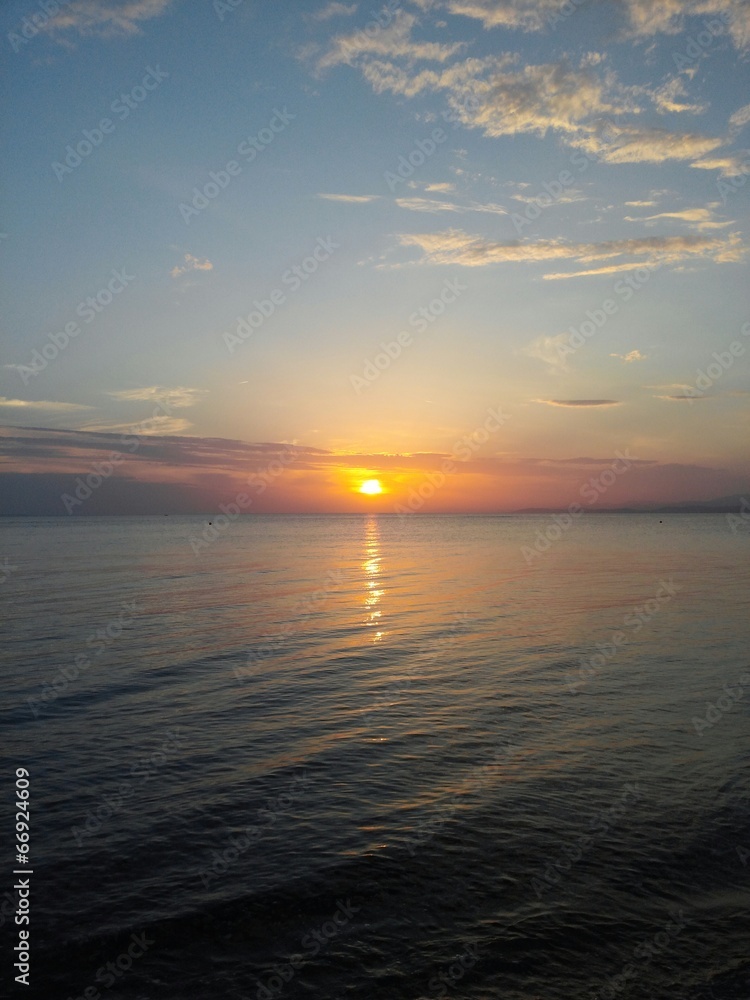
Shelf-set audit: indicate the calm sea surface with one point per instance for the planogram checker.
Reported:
(351, 757)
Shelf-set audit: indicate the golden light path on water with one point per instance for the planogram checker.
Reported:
(371, 567)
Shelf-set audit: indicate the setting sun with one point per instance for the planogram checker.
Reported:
(371, 486)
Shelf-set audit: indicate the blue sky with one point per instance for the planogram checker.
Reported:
(573, 174)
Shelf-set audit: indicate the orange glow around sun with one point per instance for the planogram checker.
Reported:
(371, 487)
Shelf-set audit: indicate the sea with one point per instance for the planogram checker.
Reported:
(400, 757)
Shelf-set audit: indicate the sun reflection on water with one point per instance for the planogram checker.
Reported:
(372, 568)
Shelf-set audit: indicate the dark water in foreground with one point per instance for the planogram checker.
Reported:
(381, 758)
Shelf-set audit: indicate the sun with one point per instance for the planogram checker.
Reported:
(371, 487)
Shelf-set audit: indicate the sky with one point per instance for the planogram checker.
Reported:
(489, 253)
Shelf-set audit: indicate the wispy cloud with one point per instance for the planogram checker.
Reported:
(681, 398)
(580, 103)
(178, 397)
(392, 42)
(500, 98)
(590, 272)
(675, 392)
(643, 18)
(674, 386)
(701, 219)
(105, 18)
(334, 9)
(418, 204)
(52, 444)
(192, 264)
(433, 205)
(457, 247)
(41, 404)
(353, 198)
(739, 119)
(157, 426)
(647, 18)
(527, 15)
(630, 356)
(579, 402)
(635, 144)
(732, 165)
(570, 196)
(549, 350)
(667, 98)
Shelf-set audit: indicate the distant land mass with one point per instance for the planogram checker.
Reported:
(720, 505)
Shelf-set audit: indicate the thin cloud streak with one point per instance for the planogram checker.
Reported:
(42, 404)
(579, 402)
(455, 247)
